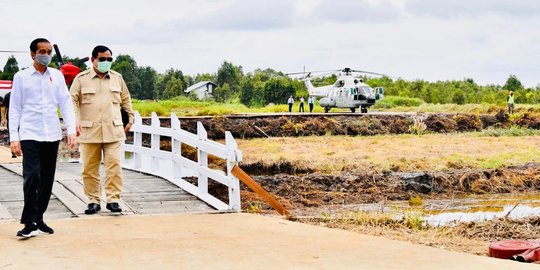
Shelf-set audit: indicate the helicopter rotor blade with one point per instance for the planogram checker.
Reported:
(3, 51)
(369, 72)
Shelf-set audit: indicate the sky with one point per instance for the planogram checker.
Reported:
(432, 40)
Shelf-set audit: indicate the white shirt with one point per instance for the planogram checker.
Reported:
(301, 100)
(290, 101)
(33, 106)
(310, 100)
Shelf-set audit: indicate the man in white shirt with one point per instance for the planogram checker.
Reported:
(310, 101)
(34, 129)
(290, 102)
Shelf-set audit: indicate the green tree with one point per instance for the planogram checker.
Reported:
(126, 65)
(513, 84)
(173, 88)
(231, 75)
(10, 69)
(278, 90)
(147, 77)
(248, 90)
(222, 93)
(163, 81)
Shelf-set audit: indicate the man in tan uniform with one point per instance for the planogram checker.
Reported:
(98, 94)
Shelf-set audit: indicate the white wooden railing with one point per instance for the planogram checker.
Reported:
(172, 166)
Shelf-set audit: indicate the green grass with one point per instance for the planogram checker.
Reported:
(184, 106)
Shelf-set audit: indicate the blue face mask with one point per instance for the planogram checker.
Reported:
(104, 66)
(43, 59)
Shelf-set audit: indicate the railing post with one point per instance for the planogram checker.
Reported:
(176, 147)
(202, 158)
(232, 160)
(137, 141)
(155, 142)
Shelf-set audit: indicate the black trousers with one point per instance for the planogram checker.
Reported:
(301, 108)
(39, 166)
(290, 107)
(310, 107)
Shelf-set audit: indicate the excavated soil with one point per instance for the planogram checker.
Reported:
(368, 186)
(356, 124)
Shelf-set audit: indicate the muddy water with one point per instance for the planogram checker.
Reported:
(448, 211)
(479, 208)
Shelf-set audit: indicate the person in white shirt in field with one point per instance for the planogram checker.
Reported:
(35, 131)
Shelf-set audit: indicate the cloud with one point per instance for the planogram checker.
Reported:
(357, 11)
(253, 15)
(457, 8)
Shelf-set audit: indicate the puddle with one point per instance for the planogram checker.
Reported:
(445, 212)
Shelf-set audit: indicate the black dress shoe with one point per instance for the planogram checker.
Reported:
(92, 208)
(114, 207)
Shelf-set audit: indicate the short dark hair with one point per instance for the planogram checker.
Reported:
(33, 45)
(100, 49)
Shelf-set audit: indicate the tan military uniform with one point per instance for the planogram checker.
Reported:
(97, 103)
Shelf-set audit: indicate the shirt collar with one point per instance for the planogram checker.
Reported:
(35, 71)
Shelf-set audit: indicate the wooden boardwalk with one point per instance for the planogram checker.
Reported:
(143, 194)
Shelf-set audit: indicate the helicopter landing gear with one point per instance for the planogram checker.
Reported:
(363, 110)
(353, 110)
(326, 109)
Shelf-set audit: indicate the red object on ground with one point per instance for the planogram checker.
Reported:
(509, 248)
(70, 71)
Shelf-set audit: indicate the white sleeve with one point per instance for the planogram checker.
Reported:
(66, 106)
(15, 108)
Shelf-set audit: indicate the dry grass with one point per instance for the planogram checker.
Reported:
(393, 152)
(386, 225)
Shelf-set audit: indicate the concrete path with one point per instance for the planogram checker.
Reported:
(219, 241)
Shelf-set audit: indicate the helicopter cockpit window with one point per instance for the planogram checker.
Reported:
(364, 90)
(340, 83)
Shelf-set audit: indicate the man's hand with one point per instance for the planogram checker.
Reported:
(16, 148)
(127, 128)
(72, 144)
(78, 128)
(4, 122)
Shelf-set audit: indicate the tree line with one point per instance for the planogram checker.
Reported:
(262, 87)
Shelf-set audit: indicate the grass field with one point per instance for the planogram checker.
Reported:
(396, 152)
(184, 106)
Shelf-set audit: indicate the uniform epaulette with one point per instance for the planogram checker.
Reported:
(83, 73)
(115, 73)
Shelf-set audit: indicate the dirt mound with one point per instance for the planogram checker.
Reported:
(529, 120)
(316, 189)
(338, 124)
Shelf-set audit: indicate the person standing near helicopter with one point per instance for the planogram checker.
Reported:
(301, 108)
(290, 102)
(310, 102)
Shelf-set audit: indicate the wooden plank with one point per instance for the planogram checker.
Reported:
(70, 200)
(13, 167)
(4, 213)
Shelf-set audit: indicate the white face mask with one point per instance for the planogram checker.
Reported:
(43, 59)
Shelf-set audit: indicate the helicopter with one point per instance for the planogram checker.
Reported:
(349, 90)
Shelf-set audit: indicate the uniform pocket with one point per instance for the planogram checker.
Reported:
(117, 122)
(115, 93)
(87, 124)
(88, 95)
